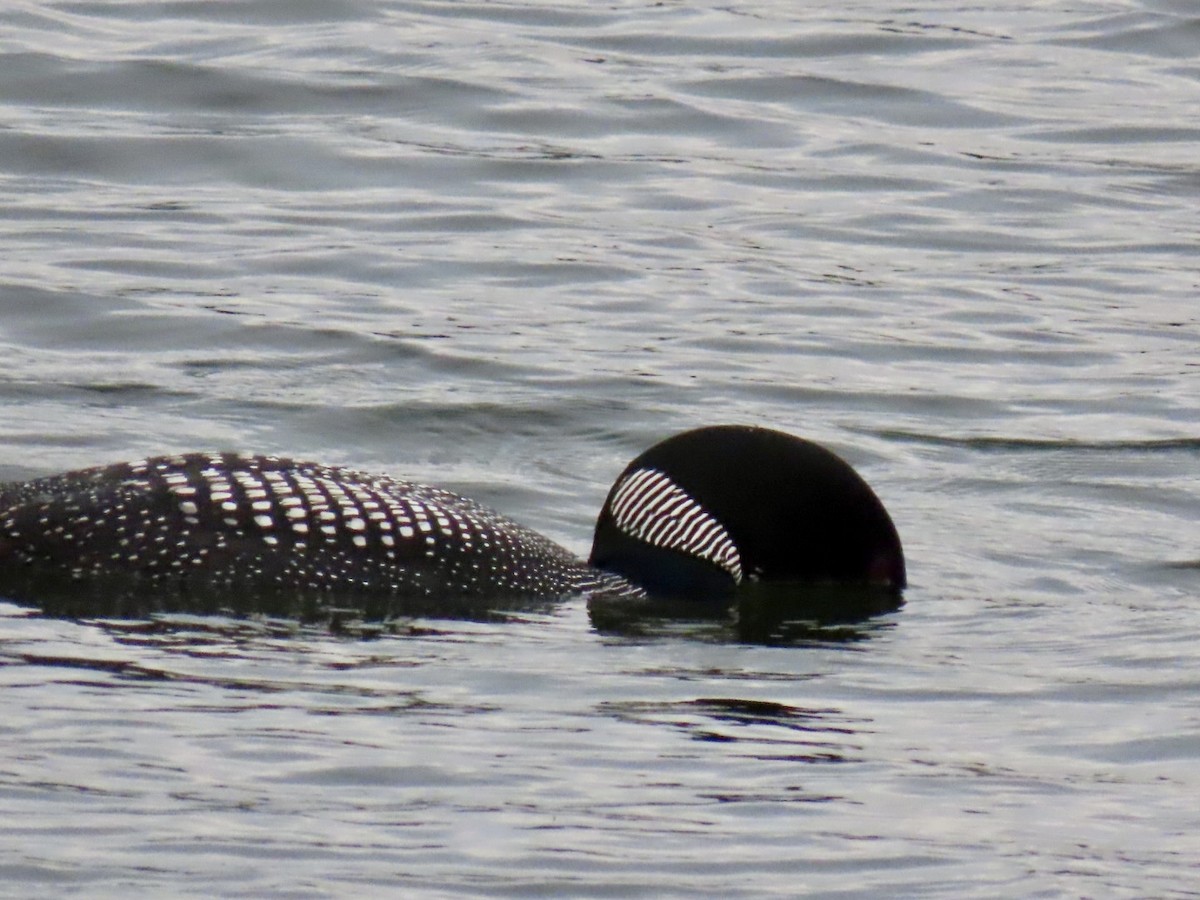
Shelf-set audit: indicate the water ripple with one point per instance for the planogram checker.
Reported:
(505, 247)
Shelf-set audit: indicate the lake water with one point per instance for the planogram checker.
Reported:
(504, 247)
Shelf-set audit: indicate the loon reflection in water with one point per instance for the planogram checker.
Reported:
(692, 518)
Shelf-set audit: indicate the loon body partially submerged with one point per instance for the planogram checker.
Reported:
(695, 515)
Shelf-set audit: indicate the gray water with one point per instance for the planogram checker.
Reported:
(504, 247)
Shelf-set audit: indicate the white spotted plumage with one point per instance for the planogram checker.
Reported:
(227, 520)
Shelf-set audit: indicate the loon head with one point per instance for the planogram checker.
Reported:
(706, 510)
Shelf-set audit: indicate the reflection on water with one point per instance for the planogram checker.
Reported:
(767, 614)
(64, 597)
(767, 730)
(760, 613)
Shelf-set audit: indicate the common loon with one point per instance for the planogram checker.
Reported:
(695, 515)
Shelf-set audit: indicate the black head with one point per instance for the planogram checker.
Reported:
(701, 512)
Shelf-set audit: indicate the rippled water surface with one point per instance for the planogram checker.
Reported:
(504, 247)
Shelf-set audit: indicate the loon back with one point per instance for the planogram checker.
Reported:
(694, 515)
(203, 524)
(709, 509)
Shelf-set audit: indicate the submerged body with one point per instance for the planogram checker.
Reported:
(694, 516)
(201, 525)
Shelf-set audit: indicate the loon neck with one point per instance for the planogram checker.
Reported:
(709, 509)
